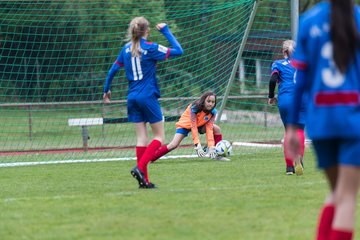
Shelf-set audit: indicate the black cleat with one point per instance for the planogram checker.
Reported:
(290, 170)
(149, 185)
(136, 173)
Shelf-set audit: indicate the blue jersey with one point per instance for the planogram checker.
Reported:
(286, 74)
(141, 71)
(286, 87)
(143, 92)
(333, 109)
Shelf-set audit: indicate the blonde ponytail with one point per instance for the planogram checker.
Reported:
(138, 28)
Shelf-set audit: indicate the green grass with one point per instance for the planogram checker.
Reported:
(247, 198)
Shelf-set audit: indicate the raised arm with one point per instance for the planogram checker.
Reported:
(176, 49)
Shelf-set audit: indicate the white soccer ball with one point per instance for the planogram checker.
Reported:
(223, 148)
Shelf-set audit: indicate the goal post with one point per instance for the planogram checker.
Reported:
(238, 58)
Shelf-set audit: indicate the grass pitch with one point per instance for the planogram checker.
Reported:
(247, 198)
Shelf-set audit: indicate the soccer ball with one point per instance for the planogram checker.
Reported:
(223, 148)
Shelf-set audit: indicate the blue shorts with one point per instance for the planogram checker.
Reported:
(185, 131)
(332, 152)
(144, 109)
(283, 110)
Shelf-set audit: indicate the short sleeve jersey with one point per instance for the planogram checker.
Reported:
(141, 71)
(333, 109)
(286, 74)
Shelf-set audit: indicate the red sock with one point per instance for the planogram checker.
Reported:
(289, 161)
(217, 138)
(160, 152)
(139, 152)
(325, 222)
(301, 136)
(336, 234)
(147, 156)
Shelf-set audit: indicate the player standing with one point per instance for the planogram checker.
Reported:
(327, 57)
(139, 58)
(282, 72)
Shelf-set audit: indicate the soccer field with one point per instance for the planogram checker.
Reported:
(247, 198)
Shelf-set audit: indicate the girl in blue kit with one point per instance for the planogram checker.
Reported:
(282, 72)
(327, 58)
(139, 57)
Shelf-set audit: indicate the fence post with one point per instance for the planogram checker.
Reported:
(30, 122)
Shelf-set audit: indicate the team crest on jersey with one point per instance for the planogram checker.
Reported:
(162, 49)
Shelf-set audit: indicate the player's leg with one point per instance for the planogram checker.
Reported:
(178, 137)
(141, 139)
(135, 115)
(327, 155)
(217, 134)
(151, 111)
(299, 167)
(346, 190)
(289, 162)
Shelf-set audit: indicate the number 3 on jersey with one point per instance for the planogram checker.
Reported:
(331, 76)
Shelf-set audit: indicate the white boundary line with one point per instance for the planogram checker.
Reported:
(21, 164)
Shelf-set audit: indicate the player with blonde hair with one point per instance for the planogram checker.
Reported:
(282, 73)
(139, 57)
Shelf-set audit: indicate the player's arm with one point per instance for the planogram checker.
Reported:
(210, 137)
(195, 134)
(210, 132)
(272, 84)
(110, 76)
(194, 128)
(176, 49)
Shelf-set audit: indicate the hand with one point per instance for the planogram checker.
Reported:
(200, 152)
(292, 142)
(106, 97)
(272, 101)
(160, 26)
(212, 153)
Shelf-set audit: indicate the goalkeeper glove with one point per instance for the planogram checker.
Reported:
(212, 153)
(200, 152)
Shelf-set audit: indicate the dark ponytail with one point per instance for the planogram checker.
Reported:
(343, 32)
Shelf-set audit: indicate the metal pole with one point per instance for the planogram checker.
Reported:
(238, 58)
(30, 122)
(294, 18)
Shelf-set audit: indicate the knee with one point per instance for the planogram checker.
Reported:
(172, 146)
(217, 129)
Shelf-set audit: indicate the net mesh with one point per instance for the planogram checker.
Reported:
(55, 56)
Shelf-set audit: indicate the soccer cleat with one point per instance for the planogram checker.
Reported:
(290, 170)
(299, 169)
(221, 158)
(136, 173)
(149, 185)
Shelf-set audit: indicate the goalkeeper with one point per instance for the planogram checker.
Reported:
(198, 118)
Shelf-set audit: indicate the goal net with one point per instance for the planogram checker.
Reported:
(55, 56)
